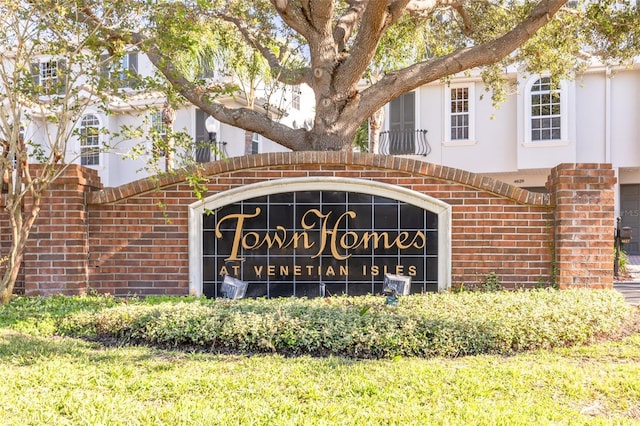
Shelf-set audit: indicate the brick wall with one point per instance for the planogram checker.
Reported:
(130, 245)
(55, 259)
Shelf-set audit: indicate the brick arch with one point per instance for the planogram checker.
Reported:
(329, 159)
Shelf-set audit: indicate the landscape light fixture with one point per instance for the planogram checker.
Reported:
(394, 286)
(233, 288)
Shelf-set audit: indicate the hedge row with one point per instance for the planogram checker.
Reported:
(452, 324)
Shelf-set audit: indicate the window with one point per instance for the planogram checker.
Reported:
(90, 140)
(459, 117)
(47, 76)
(204, 141)
(295, 97)
(206, 69)
(460, 113)
(159, 133)
(546, 118)
(122, 72)
(401, 135)
(158, 126)
(255, 146)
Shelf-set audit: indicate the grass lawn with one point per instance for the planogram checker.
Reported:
(60, 381)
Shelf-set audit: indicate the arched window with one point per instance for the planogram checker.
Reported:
(547, 109)
(90, 140)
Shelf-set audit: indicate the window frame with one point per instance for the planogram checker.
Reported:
(121, 72)
(470, 113)
(159, 128)
(296, 92)
(563, 92)
(158, 125)
(255, 143)
(89, 151)
(48, 74)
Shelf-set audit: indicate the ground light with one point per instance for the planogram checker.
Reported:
(394, 286)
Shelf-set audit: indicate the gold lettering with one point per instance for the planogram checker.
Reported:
(412, 270)
(343, 240)
(368, 236)
(276, 239)
(323, 229)
(344, 270)
(258, 270)
(334, 234)
(295, 240)
(314, 218)
(240, 217)
(284, 270)
(246, 244)
(271, 270)
(297, 270)
(419, 240)
(401, 238)
(224, 271)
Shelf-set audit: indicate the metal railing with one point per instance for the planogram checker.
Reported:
(404, 142)
(209, 150)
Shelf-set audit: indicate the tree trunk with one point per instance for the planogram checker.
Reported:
(20, 229)
(8, 282)
(329, 141)
(375, 125)
(170, 152)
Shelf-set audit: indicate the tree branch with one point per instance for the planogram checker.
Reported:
(377, 16)
(321, 14)
(394, 84)
(294, 17)
(284, 74)
(243, 118)
(347, 23)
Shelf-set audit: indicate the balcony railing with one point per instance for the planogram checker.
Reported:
(205, 151)
(404, 142)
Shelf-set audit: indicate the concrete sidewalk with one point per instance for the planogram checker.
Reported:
(630, 287)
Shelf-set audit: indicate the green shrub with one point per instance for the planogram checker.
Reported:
(426, 325)
(39, 315)
(623, 261)
(492, 283)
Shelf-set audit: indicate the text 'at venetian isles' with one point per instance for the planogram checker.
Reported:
(317, 270)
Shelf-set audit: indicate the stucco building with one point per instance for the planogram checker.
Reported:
(592, 119)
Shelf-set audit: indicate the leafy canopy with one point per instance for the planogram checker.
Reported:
(394, 46)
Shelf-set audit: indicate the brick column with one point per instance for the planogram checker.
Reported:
(583, 195)
(55, 260)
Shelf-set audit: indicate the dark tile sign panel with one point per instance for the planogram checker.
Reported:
(314, 243)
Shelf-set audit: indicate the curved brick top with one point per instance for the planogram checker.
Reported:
(329, 158)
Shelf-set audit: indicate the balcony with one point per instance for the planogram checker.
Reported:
(209, 150)
(404, 142)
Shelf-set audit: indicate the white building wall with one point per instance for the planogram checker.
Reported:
(625, 118)
(429, 117)
(591, 112)
(493, 148)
